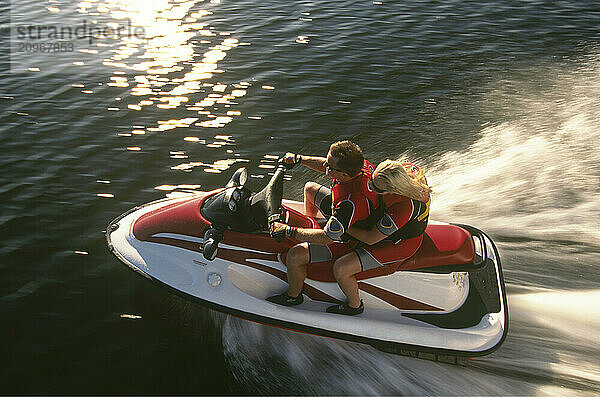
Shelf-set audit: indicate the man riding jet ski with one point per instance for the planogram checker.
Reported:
(444, 301)
(349, 202)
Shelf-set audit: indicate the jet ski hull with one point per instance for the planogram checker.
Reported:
(430, 312)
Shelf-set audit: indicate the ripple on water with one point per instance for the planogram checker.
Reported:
(496, 99)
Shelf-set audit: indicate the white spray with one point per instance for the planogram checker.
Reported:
(537, 175)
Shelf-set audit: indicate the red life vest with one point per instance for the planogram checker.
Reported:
(417, 221)
(359, 184)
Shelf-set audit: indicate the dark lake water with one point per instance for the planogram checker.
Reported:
(498, 101)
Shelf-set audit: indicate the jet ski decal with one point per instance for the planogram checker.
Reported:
(244, 257)
(399, 301)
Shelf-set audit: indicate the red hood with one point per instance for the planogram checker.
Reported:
(182, 217)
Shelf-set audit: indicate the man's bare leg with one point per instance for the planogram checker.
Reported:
(296, 262)
(310, 191)
(344, 270)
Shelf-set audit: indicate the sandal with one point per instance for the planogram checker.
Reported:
(346, 310)
(286, 300)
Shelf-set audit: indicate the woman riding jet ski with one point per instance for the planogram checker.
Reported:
(391, 233)
(446, 301)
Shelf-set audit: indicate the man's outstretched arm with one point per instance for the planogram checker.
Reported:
(313, 162)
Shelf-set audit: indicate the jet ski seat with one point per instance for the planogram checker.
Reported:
(444, 247)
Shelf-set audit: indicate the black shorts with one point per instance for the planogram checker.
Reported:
(323, 200)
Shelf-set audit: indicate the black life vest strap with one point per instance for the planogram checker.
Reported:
(415, 226)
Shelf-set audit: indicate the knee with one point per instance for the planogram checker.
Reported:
(340, 270)
(311, 188)
(346, 266)
(297, 256)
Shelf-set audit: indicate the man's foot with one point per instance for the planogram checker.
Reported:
(346, 310)
(286, 300)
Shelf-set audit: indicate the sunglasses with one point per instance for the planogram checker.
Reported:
(330, 168)
(375, 188)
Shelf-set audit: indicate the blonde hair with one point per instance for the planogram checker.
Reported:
(401, 178)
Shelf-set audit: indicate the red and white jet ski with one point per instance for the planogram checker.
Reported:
(446, 302)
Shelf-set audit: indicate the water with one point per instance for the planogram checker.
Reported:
(498, 101)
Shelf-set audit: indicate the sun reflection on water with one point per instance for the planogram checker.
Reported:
(173, 65)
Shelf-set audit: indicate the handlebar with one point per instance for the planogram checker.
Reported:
(264, 208)
(266, 204)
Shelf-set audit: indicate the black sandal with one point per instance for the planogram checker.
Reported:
(346, 310)
(286, 300)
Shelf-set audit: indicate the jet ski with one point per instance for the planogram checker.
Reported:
(446, 303)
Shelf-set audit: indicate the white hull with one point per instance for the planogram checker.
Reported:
(241, 290)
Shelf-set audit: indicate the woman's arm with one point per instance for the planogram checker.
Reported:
(372, 236)
(315, 236)
(280, 230)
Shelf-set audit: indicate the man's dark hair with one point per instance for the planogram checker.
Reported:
(349, 156)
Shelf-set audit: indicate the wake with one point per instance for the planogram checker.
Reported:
(537, 176)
